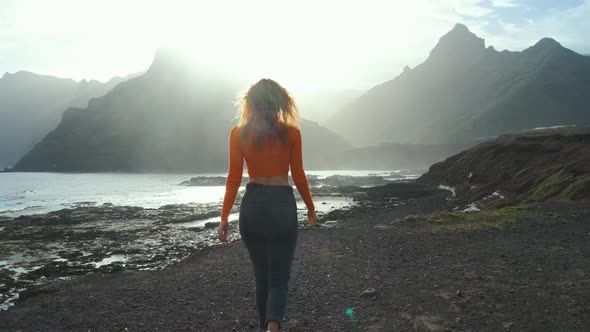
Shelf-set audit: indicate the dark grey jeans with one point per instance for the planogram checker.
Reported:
(268, 226)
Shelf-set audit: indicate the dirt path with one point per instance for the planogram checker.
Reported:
(371, 272)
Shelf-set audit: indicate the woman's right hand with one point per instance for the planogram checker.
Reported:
(223, 230)
(312, 218)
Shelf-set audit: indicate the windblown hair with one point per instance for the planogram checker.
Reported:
(266, 112)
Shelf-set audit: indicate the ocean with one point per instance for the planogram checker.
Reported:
(33, 193)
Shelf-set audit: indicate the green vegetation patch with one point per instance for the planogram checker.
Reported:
(469, 222)
(580, 189)
(551, 187)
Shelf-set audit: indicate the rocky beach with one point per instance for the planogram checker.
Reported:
(388, 264)
(89, 238)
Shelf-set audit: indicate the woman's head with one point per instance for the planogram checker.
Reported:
(267, 104)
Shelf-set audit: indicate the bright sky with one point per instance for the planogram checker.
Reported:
(304, 44)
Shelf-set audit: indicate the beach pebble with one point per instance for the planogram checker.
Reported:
(370, 292)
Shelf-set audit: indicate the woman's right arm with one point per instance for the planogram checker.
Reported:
(234, 176)
(297, 172)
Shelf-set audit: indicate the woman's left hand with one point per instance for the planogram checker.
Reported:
(222, 231)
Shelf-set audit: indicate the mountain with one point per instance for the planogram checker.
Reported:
(87, 90)
(175, 117)
(31, 105)
(464, 91)
(393, 156)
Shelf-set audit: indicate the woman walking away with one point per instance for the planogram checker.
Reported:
(268, 138)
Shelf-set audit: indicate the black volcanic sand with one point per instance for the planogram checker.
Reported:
(370, 272)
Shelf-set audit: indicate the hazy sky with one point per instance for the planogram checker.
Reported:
(315, 44)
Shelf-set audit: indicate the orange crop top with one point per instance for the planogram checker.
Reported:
(271, 160)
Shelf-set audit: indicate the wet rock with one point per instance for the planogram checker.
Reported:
(208, 181)
(211, 224)
(51, 269)
(73, 255)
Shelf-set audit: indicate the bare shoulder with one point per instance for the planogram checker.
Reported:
(235, 130)
(294, 131)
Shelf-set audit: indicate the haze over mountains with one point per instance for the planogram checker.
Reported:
(31, 105)
(176, 116)
(465, 91)
(320, 106)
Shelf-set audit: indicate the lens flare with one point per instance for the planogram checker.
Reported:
(349, 313)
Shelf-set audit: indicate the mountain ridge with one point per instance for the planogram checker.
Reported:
(32, 104)
(174, 117)
(465, 90)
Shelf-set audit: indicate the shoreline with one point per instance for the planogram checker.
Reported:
(377, 269)
(68, 243)
(45, 193)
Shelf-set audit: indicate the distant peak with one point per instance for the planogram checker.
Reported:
(547, 42)
(459, 43)
(460, 28)
(165, 58)
(20, 74)
(461, 31)
(544, 46)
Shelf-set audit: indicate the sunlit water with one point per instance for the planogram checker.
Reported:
(31, 193)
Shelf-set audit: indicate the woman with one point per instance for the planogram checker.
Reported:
(268, 138)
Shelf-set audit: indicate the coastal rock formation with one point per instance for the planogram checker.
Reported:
(465, 91)
(541, 165)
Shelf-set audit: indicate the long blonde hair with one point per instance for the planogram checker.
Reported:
(266, 111)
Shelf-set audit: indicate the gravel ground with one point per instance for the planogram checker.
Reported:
(369, 272)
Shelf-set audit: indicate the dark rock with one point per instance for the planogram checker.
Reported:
(36, 291)
(211, 224)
